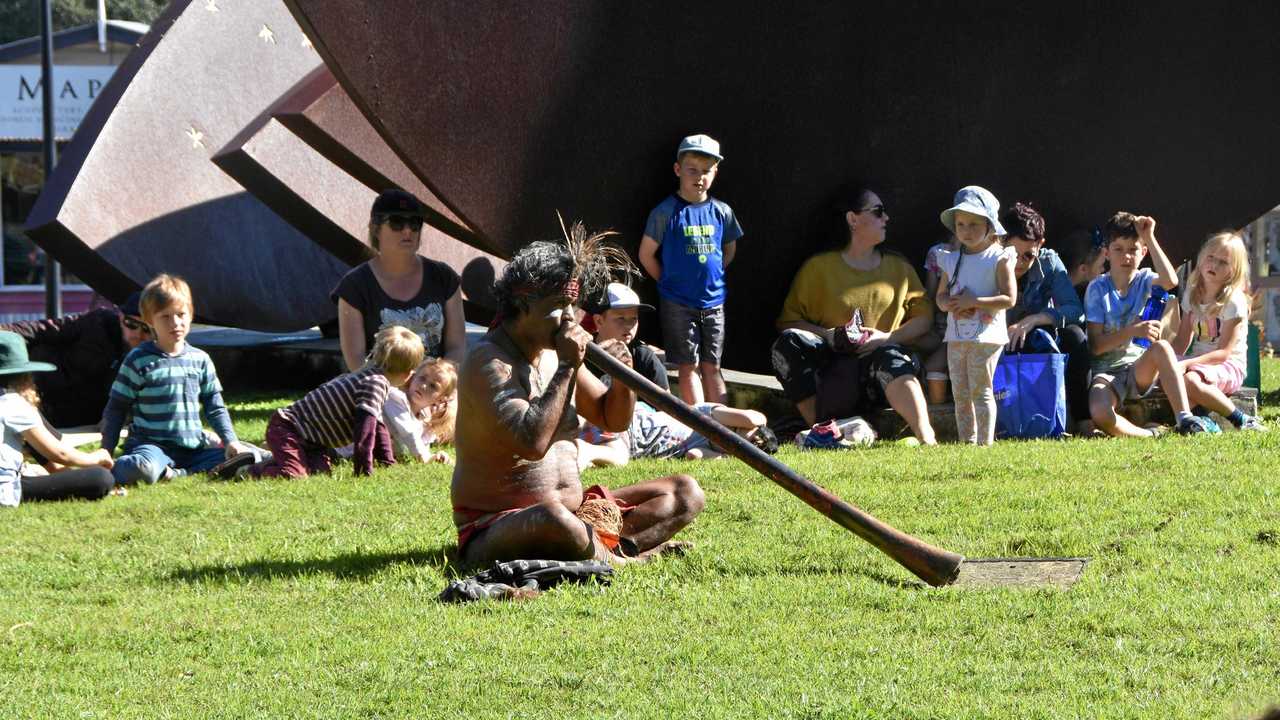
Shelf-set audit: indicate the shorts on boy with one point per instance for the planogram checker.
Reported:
(696, 440)
(655, 434)
(1124, 383)
(692, 335)
(146, 462)
(807, 367)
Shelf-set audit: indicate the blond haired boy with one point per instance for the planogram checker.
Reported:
(166, 385)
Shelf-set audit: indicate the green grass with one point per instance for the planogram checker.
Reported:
(316, 598)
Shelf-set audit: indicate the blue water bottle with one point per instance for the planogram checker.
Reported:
(1153, 310)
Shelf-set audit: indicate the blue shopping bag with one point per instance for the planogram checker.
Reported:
(1031, 395)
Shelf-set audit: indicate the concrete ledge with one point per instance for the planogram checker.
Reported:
(764, 393)
(1155, 408)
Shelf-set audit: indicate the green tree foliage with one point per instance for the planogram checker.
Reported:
(21, 18)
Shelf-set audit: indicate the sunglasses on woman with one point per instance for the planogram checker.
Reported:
(135, 325)
(877, 210)
(400, 222)
(1026, 256)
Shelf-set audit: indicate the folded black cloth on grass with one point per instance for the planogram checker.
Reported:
(524, 578)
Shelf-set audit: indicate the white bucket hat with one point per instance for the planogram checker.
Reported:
(976, 200)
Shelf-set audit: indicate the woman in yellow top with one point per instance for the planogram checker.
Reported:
(822, 369)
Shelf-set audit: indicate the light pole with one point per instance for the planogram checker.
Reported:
(52, 271)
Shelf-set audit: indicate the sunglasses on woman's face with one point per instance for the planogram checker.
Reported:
(400, 222)
(877, 210)
(136, 325)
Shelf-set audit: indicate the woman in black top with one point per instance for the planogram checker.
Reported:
(399, 287)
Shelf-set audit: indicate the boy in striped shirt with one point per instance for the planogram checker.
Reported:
(345, 410)
(165, 384)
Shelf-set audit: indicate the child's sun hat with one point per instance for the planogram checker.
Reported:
(14, 359)
(976, 200)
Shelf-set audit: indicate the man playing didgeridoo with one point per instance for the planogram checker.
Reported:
(516, 491)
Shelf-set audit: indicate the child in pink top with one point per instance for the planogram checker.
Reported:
(1215, 323)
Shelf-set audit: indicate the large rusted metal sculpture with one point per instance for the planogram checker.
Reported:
(315, 195)
(136, 194)
(511, 111)
(321, 113)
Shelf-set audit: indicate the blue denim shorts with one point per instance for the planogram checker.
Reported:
(692, 335)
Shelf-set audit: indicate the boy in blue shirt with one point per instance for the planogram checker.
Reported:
(164, 383)
(1113, 303)
(697, 236)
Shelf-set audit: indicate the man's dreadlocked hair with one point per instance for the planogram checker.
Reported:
(542, 269)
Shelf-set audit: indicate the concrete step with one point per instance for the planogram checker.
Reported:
(764, 393)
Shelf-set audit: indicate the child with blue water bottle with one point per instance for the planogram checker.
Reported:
(1122, 368)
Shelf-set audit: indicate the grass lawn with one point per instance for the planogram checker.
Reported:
(317, 598)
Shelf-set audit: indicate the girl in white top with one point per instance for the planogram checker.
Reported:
(423, 413)
(976, 288)
(1215, 317)
(21, 422)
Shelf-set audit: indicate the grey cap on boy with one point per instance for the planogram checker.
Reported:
(976, 200)
(702, 144)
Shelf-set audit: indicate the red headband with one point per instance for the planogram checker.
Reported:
(569, 290)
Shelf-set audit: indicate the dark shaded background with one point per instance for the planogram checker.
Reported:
(511, 112)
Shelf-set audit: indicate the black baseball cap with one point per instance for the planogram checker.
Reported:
(396, 202)
(131, 306)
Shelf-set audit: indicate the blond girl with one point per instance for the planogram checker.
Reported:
(1215, 317)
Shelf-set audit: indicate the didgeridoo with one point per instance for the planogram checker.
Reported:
(931, 564)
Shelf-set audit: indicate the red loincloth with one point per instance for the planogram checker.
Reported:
(478, 520)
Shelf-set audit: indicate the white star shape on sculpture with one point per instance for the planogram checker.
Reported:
(197, 137)
(211, 6)
(267, 35)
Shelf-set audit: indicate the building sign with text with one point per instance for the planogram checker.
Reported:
(74, 89)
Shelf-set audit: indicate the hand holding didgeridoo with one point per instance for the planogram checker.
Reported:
(931, 564)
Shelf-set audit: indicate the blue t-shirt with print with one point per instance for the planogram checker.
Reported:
(1103, 304)
(691, 238)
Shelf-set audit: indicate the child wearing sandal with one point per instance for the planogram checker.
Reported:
(976, 288)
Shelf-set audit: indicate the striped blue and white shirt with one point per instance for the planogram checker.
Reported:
(165, 394)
